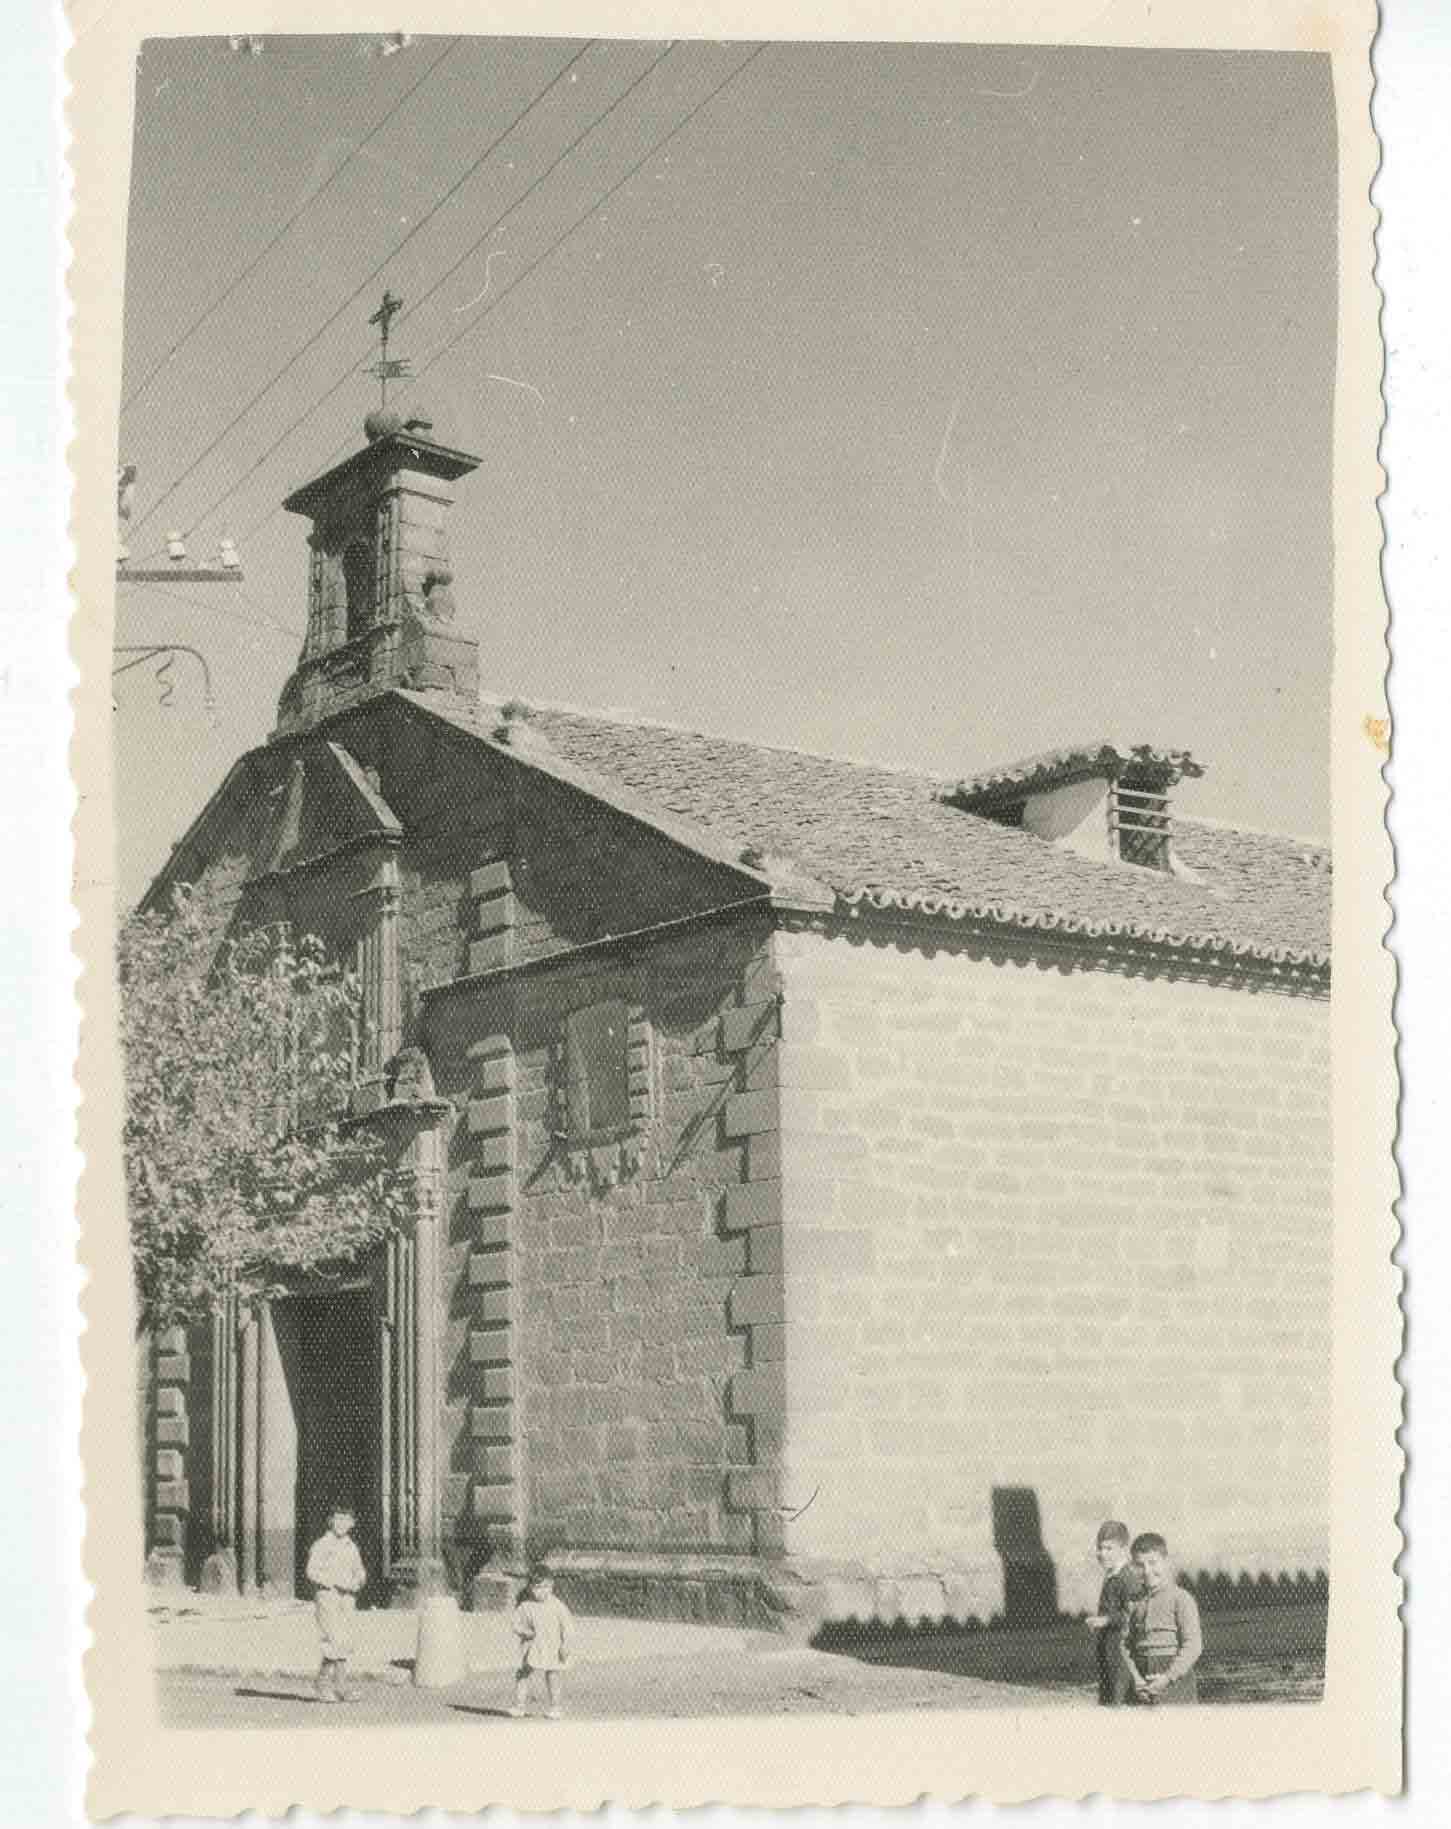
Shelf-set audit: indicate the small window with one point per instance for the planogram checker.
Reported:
(1139, 820)
(596, 1070)
(358, 582)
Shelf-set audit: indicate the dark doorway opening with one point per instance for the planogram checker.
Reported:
(327, 1345)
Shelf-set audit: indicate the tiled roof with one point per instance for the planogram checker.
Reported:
(885, 837)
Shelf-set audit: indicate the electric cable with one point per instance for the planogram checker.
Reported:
(327, 324)
(252, 266)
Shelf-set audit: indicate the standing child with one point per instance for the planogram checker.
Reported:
(336, 1572)
(1122, 1585)
(1163, 1642)
(544, 1626)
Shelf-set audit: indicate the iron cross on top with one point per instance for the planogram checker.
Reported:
(383, 368)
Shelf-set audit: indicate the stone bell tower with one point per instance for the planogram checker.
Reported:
(380, 609)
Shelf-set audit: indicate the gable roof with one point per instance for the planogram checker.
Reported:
(887, 838)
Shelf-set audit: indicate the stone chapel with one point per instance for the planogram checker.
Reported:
(842, 1186)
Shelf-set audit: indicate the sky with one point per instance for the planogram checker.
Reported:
(931, 405)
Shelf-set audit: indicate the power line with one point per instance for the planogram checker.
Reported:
(253, 265)
(593, 209)
(351, 369)
(217, 609)
(423, 221)
(518, 280)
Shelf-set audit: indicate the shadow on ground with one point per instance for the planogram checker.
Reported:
(1261, 1654)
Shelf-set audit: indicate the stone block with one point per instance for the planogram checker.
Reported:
(495, 1193)
(753, 1203)
(497, 1384)
(487, 1117)
(492, 1593)
(173, 1431)
(173, 1495)
(496, 1306)
(490, 879)
(171, 1403)
(171, 1340)
(493, 1422)
(491, 1269)
(757, 1298)
(170, 1464)
(495, 1502)
(763, 1249)
(491, 1346)
(760, 982)
(768, 1344)
(494, 1074)
(743, 1028)
(759, 1391)
(495, 1152)
(492, 953)
(495, 1465)
(173, 1368)
(746, 1113)
(168, 1530)
(165, 1568)
(752, 1489)
(763, 1156)
(494, 1229)
(490, 1046)
(496, 913)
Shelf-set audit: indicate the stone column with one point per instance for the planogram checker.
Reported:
(249, 1574)
(379, 979)
(219, 1571)
(420, 1569)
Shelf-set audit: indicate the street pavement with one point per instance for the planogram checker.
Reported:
(233, 1663)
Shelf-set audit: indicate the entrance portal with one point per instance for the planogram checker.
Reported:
(321, 1403)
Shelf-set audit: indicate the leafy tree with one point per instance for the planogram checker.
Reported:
(241, 1164)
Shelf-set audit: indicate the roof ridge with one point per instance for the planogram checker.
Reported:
(627, 719)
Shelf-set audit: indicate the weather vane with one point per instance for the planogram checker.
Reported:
(386, 369)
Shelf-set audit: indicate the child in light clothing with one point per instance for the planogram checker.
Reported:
(336, 1572)
(545, 1627)
(1164, 1641)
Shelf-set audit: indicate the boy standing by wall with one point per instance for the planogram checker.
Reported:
(1122, 1585)
(1163, 1642)
(336, 1572)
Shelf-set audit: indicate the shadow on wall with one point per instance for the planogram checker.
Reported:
(1030, 1581)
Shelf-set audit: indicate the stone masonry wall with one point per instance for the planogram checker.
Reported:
(596, 1322)
(1057, 1248)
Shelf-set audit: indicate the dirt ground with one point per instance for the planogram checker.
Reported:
(1275, 1655)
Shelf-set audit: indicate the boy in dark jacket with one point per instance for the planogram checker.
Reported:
(1122, 1585)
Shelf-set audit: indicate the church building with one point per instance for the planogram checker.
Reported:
(840, 1186)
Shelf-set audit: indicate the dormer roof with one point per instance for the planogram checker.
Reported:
(1052, 768)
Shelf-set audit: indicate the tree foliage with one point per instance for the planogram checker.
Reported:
(241, 1164)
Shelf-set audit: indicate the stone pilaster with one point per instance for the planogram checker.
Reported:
(495, 917)
(170, 1489)
(493, 1191)
(750, 1034)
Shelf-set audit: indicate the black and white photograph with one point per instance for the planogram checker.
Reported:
(721, 721)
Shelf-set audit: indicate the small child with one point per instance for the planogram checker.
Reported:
(1163, 1642)
(1122, 1585)
(544, 1626)
(336, 1572)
